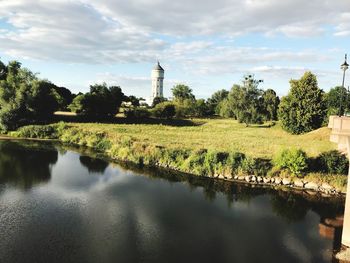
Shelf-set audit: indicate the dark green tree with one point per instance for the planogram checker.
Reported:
(270, 104)
(135, 102)
(246, 104)
(215, 100)
(100, 102)
(304, 108)
(200, 108)
(158, 100)
(182, 92)
(64, 97)
(24, 99)
(3, 71)
(164, 110)
(338, 101)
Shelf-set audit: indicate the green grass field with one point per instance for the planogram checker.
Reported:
(220, 135)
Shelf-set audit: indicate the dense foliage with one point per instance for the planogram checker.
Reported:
(215, 100)
(182, 92)
(332, 162)
(294, 160)
(247, 103)
(24, 98)
(100, 102)
(164, 110)
(158, 100)
(270, 105)
(136, 113)
(338, 101)
(304, 108)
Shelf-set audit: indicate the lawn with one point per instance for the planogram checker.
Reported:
(219, 134)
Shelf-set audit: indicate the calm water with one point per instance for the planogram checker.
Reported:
(60, 206)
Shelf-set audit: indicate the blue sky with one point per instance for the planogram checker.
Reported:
(208, 45)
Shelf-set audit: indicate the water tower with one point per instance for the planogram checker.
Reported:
(157, 81)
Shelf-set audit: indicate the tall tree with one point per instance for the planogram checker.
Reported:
(100, 102)
(24, 98)
(215, 100)
(304, 108)
(182, 92)
(338, 101)
(245, 103)
(270, 102)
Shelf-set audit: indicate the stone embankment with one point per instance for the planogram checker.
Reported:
(293, 183)
(287, 182)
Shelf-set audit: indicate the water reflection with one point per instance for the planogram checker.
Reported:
(26, 164)
(127, 214)
(94, 165)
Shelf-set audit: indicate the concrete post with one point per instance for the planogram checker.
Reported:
(341, 135)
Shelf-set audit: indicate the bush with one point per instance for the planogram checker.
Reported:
(333, 162)
(136, 113)
(164, 110)
(234, 161)
(37, 131)
(214, 162)
(294, 160)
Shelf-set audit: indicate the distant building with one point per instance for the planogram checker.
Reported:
(157, 81)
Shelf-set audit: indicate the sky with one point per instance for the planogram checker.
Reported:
(207, 45)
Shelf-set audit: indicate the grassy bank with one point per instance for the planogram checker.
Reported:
(217, 134)
(209, 148)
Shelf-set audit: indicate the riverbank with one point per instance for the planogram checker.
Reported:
(113, 141)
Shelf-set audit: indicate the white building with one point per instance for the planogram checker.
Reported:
(157, 81)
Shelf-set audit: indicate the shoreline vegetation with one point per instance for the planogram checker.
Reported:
(233, 153)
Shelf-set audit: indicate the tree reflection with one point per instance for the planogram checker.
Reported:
(94, 165)
(25, 164)
(289, 206)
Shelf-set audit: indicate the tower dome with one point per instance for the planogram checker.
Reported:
(158, 67)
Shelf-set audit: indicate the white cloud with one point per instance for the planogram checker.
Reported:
(72, 32)
(106, 31)
(232, 17)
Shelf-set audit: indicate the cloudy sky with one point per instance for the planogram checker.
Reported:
(208, 45)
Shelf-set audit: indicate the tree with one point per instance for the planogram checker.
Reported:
(270, 104)
(334, 98)
(225, 110)
(182, 92)
(200, 108)
(134, 100)
(3, 71)
(158, 100)
(164, 110)
(215, 100)
(64, 98)
(24, 98)
(245, 103)
(304, 108)
(100, 102)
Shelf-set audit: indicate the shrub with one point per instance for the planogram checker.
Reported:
(214, 162)
(164, 110)
(194, 163)
(136, 113)
(37, 131)
(333, 162)
(294, 160)
(234, 160)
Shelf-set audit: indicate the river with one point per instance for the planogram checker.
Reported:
(63, 205)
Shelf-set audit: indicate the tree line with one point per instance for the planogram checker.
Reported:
(26, 99)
